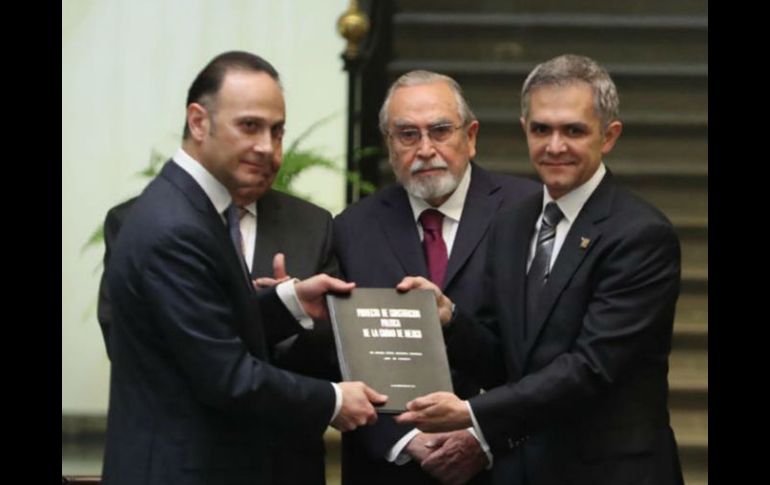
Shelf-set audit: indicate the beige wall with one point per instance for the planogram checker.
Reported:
(126, 67)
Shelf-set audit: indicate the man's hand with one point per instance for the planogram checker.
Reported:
(418, 448)
(311, 291)
(279, 273)
(438, 411)
(357, 409)
(442, 301)
(457, 457)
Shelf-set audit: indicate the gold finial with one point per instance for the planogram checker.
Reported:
(353, 25)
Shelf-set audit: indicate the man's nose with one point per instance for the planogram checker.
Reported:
(425, 147)
(555, 143)
(263, 142)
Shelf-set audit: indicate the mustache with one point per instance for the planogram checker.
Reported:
(420, 165)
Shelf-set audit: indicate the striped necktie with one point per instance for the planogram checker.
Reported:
(539, 270)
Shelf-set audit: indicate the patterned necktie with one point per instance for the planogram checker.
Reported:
(433, 245)
(540, 268)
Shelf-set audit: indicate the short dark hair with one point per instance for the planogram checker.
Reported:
(568, 69)
(207, 83)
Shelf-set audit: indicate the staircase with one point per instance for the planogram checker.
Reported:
(657, 53)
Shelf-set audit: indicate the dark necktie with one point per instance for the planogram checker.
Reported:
(433, 245)
(540, 268)
(234, 214)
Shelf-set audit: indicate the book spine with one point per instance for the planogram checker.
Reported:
(344, 368)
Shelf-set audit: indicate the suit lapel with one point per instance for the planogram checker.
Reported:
(573, 252)
(481, 204)
(397, 223)
(209, 216)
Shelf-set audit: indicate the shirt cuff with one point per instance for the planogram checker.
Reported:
(288, 296)
(476, 432)
(396, 454)
(337, 400)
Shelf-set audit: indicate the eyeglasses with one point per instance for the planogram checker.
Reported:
(410, 137)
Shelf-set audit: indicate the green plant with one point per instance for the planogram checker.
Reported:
(296, 160)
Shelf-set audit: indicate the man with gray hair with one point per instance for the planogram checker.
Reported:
(433, 223)
(574, 341)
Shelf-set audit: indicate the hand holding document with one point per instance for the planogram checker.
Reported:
(392, 341)
(438, 411)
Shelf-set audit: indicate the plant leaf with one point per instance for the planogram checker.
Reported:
(296, 162)
(97, 236)
(366, 152)
(295, 144)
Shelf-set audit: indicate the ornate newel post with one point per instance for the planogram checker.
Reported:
(353, 25)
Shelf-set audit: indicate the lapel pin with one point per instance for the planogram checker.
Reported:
(584, 242)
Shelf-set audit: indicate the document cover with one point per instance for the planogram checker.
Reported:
(391, 341)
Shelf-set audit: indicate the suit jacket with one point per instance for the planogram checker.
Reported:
(193, 396)
(377, 245)
(581, 394)
(302, 231)
(287, 224)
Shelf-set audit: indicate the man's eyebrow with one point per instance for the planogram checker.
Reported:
(260, 119)
(409, 124)
(576, 124)
(404, 124)
(573, 124)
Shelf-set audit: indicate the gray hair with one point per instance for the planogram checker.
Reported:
(568, 69)
(418, 78)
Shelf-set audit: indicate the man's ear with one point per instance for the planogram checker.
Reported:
(197, 121)
(611, 135)
(472, 133)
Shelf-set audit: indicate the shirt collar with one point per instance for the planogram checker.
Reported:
(452, 207)
(251, 208)
(215, 191)
(573, 201)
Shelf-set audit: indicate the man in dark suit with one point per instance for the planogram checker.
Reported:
(583, 279)
(299, 234)
(194, 397)
(431, 137)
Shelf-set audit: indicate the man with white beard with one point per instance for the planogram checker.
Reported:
(434, 224)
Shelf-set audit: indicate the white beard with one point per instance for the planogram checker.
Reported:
(433, 187)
